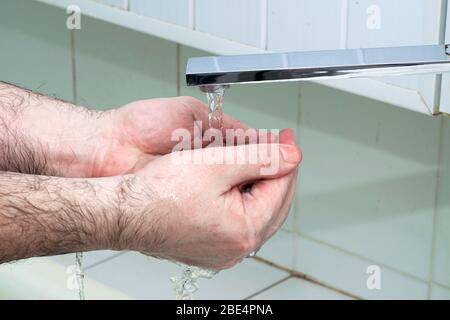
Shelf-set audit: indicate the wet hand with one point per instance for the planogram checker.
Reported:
(198, 214)
(141, 131)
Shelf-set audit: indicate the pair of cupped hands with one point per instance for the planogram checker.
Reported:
(194, 213)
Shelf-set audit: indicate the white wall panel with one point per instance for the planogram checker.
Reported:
(123, 4)
(385, 23)
(174, 11)
(306, 25)
(445, 91)
(241, 21)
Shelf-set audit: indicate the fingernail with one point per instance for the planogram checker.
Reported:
(290, 153)
(288, 136)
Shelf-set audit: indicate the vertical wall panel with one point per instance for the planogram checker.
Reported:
(174, 11)
(442, 238)
(111, 72)
(385, 23)
(35, 47)
(445, 90)
(368, 178)
(123, 4)
(241, 21)
(306, 25)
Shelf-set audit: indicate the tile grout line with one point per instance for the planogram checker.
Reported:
(73, 66)
(354, 255)
(445, 286)
(178, 66)
(268, 287)
(436, 208)
(301, 275)
(438, 78)
(264, 37)
(344, 25)
(296, 199)
(191, 18)
(437, 99)
(104, 260)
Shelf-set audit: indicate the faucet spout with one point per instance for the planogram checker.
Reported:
(209, 72)
(213, 88)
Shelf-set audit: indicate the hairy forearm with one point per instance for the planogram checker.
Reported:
(45, 136)
(41, 215)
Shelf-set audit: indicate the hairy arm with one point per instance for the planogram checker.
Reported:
(41, 215)
(44, 136)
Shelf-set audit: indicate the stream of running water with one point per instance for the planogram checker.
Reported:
(186, 284)
(79, 274)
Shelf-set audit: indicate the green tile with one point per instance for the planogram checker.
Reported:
(347, 272)
(44, 279)
(440, 293)
(368, 177)
(115, 65)
(442, 237)
(35, 47)
(280, 249)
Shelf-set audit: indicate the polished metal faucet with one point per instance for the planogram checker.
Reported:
(211, 72)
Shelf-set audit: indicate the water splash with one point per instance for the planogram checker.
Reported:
(79, 274)
(186, 284)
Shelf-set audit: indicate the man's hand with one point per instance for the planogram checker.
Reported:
(142, 131)
(40, 135)
(199, 214)
(195, 213)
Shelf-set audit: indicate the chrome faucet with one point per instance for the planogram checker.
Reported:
(213, 72)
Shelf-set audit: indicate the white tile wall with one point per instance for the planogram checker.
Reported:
(33, 32)
(442, 224)
(245, 21)
(288, 25)
(306, 25)
(116, 65)
(440, 293)
(378, 24)
(445, 89)
(298, 289)
(280, 249)
(43, 278)
(347, 272)
(174, 11)
(89, 258)
(143, 277)
(122, 4)
(368, 177)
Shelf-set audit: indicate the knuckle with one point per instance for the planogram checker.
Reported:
(188, 100)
